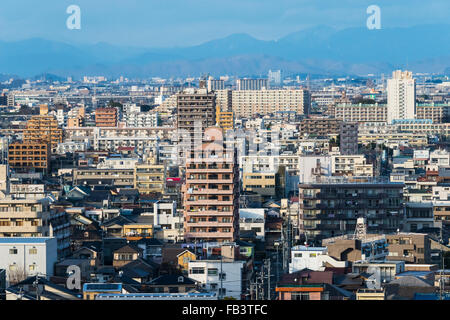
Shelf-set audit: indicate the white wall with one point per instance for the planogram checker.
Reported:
(233, 276)
(44, 260)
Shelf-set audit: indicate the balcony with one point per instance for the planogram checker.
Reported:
(209, 202)
(20, 214)
(208, 235)
(210, 170)
(206, 180)
(328, 227)
(209, 224)
(210, 213)
(210, 191)
(21, 229)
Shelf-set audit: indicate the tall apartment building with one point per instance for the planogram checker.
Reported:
(348, 138)
(252, 84)
(27, 155)
(196, 111)
(214, 85)
(106, 117)
(331, 207)
(195, 105)
(211, 197)
(401, 96)
(248, 103)
(43, 129)
(360, 112)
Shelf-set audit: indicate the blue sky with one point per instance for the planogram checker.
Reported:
(167, 23)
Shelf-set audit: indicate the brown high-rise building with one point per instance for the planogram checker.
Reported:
(106, 117)
(196, 111)
(211, 194)
(196, 105)
(28, 155)
(43, 129)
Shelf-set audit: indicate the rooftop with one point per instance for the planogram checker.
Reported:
(25, 239)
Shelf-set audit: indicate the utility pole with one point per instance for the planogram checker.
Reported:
(262, 283)
(221, 277)
(268, 279)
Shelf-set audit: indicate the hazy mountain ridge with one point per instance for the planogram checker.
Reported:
(319, 50)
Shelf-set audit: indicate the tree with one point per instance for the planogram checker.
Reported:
(16, 275)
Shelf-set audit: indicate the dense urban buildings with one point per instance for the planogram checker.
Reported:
(200, 188)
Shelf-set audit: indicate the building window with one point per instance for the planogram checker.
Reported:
(212, 272)
(300, 296)
(197, 270)
(13, 251)
(32, 251)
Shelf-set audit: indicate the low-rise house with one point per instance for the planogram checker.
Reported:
(125, 255)
(140, 270)
(171, 283)
(62, 268)
(39, 288)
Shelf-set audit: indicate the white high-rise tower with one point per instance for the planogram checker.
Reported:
(401, 96)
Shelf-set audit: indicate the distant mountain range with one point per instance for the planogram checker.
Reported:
(321, 50)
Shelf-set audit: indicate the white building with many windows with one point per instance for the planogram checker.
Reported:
(401, 96)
